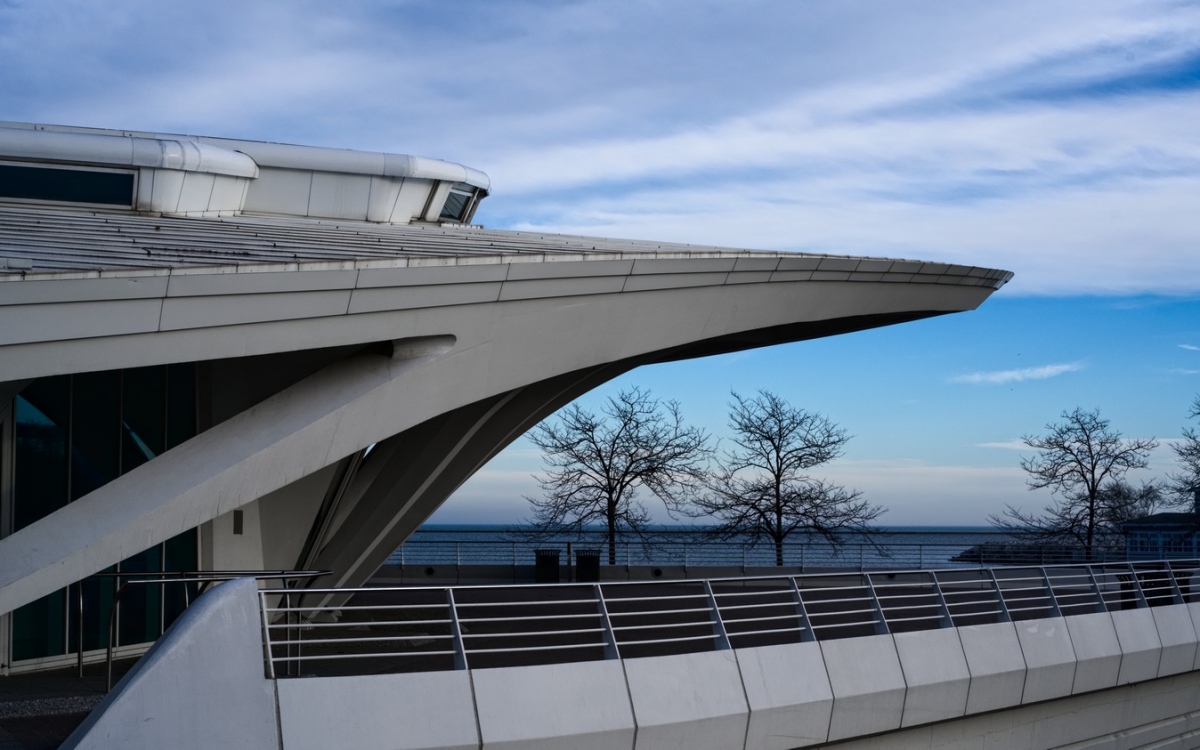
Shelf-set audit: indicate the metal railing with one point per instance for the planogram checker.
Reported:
(186, 579)
(426, 629)
(981, 549)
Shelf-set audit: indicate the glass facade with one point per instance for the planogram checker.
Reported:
(73, 434)
(108, 188)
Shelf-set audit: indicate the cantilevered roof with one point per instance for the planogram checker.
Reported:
(36, 242)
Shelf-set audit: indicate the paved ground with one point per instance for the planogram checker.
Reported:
(39, 711)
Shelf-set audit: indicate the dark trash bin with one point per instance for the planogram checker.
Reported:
(587, 565)
(546, 568)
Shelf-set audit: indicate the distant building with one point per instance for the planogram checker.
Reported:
(1163, 536)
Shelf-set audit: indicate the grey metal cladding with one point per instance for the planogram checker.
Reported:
(682, 265)
(572, 269)
(838, 264)
(74, 320)
(540, 288)
(755, 264)
(432, 275)
(259, 282)
(673, 281)
(806, 263)
(381, 299)
(200, 312)
(83, 290)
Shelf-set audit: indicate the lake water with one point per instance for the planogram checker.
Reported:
(918, 546)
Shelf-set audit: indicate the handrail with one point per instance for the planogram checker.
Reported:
(202, 577)
(644, 618)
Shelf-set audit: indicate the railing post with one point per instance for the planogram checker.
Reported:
(79, 630)
(881, 627)
(1137, 587)
(266, 626)
(1055, 610)
(806, 629)
(1101, 604)
(611, 651)
(717, 623)
(460, 650)
(947, 618)
(1004, 613)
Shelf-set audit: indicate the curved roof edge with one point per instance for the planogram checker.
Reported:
(228, 156)
(119, 150)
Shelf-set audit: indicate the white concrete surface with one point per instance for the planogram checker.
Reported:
(1159, 714)
(201, 685)
(1097, 651)
(1049, 658)
(688, 701)
(790, 699)
(420, 711)
(1194, 611)
(935, 670)
(579, 706)
(997, 666)
(1178, 637)
(1140, 647)
(868, 685)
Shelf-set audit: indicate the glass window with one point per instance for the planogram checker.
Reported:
(458, 202)
(72, 435)
(143, 416)
(66, 185)
(40, 465)
(95, 414)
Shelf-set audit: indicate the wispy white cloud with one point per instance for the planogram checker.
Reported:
(1190, 347)
(1008, 445)
(1001, 377)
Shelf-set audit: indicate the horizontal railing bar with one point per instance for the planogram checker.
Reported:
(659, 612)
(815, 626)
(764, 619)
(736, 607)
(766, 632)
(913, 619)
(668, 640)
(378, 623)
(521, 649)
(357, 639)
(664, 626)
(532, 633)
(527, 618)
(381, 655)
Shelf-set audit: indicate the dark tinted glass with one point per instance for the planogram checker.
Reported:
(139, 617)
(68, 185)
(39, 628)
(40, 468)
(456, 206)
(96, 409)
(143, 416)
(181, 403)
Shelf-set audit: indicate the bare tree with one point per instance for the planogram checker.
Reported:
(1082, 461)
(596, 464)
(761, 488)
(1185, 485)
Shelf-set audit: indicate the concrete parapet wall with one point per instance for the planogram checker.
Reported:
(1104, 680)
(200, 686)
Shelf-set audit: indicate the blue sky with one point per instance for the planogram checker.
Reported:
(1056, 140)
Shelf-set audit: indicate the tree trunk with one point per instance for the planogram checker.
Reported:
(612, 539)
(779, 550)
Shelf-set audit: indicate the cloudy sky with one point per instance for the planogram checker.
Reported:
(1057, 140)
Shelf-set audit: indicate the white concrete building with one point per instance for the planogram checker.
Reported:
(220, 354)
